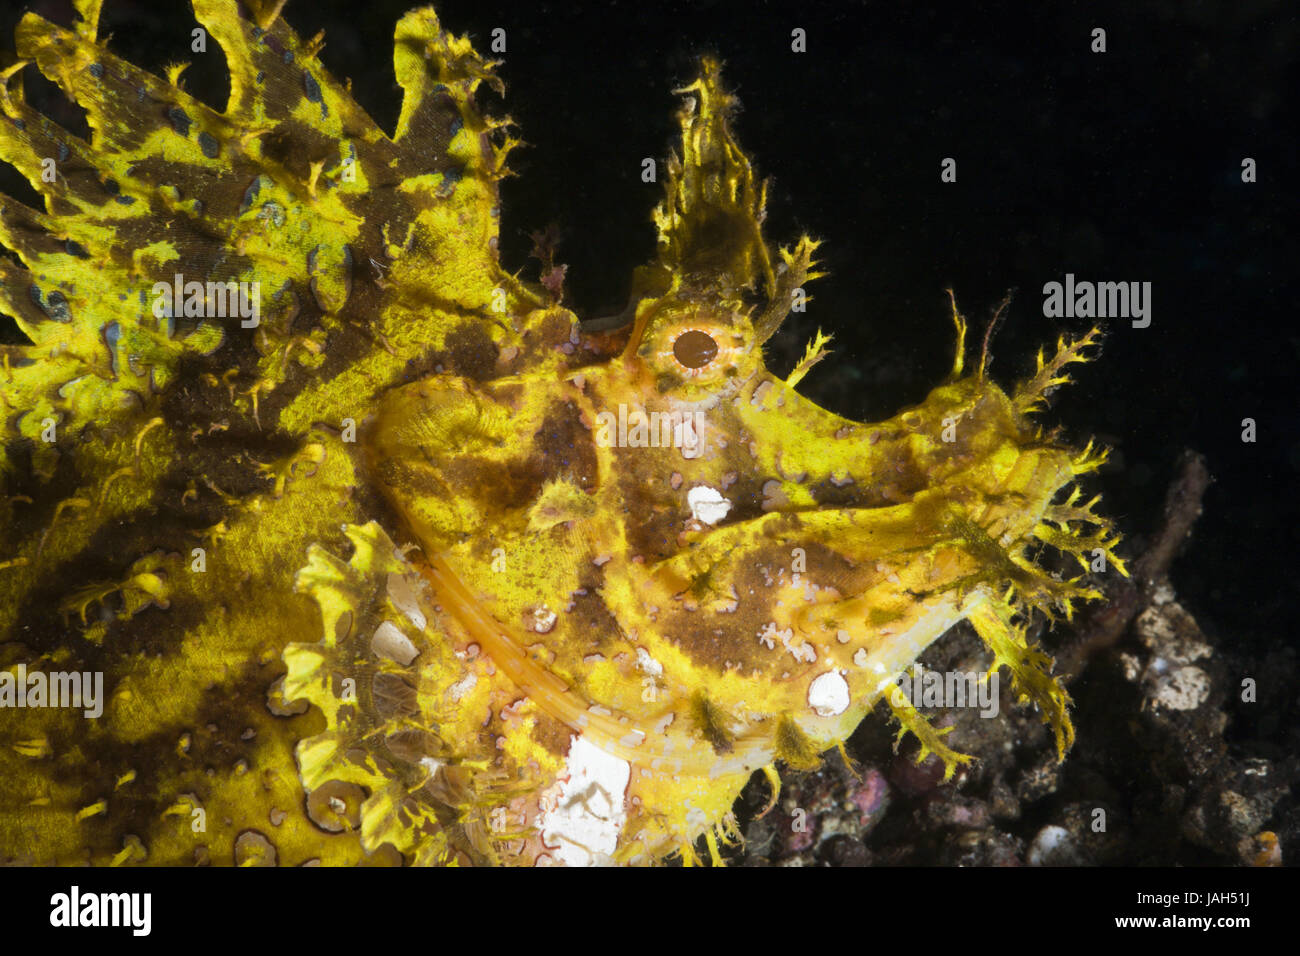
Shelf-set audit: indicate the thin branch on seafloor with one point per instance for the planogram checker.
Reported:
(1129, 597)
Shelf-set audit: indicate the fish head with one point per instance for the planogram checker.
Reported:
(678, 556)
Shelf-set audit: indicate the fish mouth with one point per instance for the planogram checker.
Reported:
(643, 740)
(635, 740)
(901, 571)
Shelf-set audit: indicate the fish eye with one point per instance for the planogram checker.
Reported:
(696, 345)
(695, 349)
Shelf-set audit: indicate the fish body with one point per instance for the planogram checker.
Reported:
(384, 556)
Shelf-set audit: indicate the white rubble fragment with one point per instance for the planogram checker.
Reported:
(1047, 843)
(583, 825)
(1183, 689)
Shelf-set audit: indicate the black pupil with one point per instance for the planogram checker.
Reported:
(695, 349)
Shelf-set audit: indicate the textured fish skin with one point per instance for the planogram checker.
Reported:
(406, 567)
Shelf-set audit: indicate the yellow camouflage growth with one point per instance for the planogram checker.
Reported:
(382, 556)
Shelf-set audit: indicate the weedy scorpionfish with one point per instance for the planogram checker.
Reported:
(381, 555)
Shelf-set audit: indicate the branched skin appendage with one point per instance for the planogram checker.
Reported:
(412, 568)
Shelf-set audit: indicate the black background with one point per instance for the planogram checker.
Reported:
(1122, 166)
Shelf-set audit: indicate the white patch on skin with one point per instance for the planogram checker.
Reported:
(463, 686)
(707, 504)
(647, 663)
(860, 657)
(828, 695)
(391, 643)
(774, 495)
(687, 436)
(543, 619)
(803, 651)
(582, 827)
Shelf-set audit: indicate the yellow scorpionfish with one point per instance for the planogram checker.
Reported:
(380, 555)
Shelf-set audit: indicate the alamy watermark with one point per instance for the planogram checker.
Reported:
(1098, 300)
(635, 428)
(75, 689)
(130, 910)
(927, 688)
(208, 300)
